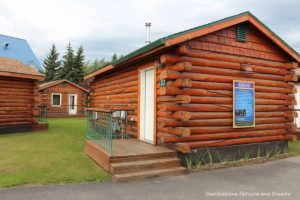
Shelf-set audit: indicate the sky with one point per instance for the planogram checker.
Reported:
(115, 26)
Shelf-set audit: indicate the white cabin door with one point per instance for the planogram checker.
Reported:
(73, 104)
(297, 107)
(147, 105)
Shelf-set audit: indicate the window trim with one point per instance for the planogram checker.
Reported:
(59, 99)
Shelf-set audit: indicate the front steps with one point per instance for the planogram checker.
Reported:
(143, 167)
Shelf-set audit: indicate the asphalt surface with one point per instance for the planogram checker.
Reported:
(278, 179)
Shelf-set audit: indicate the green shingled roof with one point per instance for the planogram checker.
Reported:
(161, 42)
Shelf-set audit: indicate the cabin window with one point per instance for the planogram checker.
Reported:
(241, 32)
(56, 100)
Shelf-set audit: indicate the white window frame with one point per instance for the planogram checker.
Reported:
(59, 99)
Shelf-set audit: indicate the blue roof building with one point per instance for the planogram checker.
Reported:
(19, 49)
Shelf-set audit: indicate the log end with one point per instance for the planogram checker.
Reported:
(183, 99)
(292, 78)
(162, 91)
(183, 49)
(182, 115)
(183, 148)
(186, 132)
(291, 127)
(183, 82)
(291, 137)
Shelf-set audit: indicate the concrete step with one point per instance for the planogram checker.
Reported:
(142, 157)
(148, 174)
(144, 165)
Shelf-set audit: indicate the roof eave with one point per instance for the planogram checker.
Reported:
(64, 80)
(21, 75)
(200, 31)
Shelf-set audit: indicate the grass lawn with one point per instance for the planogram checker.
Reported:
(47, 157)
(294, 147)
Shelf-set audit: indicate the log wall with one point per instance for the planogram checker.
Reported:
(64, 89)
(17, 98)
(117, 90)
(194, 110)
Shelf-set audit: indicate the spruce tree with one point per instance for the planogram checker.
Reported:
(78, 71)
(114, 57)
(68, 62)
(51, 64)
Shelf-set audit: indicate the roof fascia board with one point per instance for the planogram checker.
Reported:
(61, 81)
(206, 30)
(99, 71)
(20, 75)
(275, 38)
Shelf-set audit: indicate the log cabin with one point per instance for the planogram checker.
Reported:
(18, 97)
(178, 92)
(63, 98)
(297, 106)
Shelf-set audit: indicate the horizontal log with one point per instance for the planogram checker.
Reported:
(13, 93)
(178, 131)
(115, 76)
(291, 137)
(15, 119)
(226, 129)
(117, 96)
(164, 122)
(202, 144)
(117, 101)
(165, 98)
(116, 91)
(228, 68)
(224, 86)
(217, 136)
(236, 59)
(217, 93)
(235, 73)
(187, 115)
(16, 123)
(183, 99)
(16, 81)
(115, 87)
(180, 67)
(171, 75)
(14, 105)
(215, 107)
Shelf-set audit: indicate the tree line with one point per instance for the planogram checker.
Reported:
(72, 66)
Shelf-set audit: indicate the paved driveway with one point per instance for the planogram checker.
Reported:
(272, 180)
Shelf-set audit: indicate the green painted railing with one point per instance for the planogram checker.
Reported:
(104, 125)
(42, 114)
(100, 127)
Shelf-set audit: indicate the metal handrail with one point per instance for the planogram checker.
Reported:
(104, 125)
(42, 114)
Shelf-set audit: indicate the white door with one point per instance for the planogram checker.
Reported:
(147, 105)
(297, 107)
(73, 104)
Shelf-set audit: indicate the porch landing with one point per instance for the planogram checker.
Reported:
(133, 159)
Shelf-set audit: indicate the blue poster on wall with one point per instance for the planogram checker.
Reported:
(243, 104)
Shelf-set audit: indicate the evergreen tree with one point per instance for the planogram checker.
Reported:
(78, 72)
(114, 57)
(91, 66)
(51, 64)
(68, 62)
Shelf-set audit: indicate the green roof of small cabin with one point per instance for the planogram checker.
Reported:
(163, 41)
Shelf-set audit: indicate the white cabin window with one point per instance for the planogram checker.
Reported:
(56, 100)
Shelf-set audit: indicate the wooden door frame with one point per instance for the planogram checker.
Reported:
(75, 102)
(143, 67)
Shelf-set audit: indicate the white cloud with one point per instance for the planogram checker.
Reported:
(105, 27)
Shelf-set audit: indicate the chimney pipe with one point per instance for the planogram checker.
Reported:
(148, 25)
